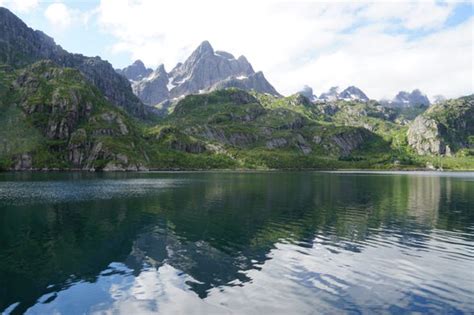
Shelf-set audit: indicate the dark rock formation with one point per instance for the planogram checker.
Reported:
(21, 46)
(444, 128)
(136, 71)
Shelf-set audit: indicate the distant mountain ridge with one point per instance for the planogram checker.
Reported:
(408, 99)
(402, 100)
(203, 71)
(351, 93)
(63, 111)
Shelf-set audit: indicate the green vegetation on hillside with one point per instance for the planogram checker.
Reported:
(54, 119)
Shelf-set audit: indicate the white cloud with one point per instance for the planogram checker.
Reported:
(59, 15)
(21, 6)
(380, 64)
(307, 42)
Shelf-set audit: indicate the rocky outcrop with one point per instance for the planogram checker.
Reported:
(21, 46)
(136, 71)
(276, 143)
(71, 124)
(426, 136)
(444, 128)
(350, 140)
(255, 82)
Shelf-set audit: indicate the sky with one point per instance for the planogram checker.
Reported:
(381, 47)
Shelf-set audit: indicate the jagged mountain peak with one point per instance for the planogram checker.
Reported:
(353, 93)
(138, 63)
(204, 48)
(136, 71)
(204, 70)
(407, 99)
(161, 69)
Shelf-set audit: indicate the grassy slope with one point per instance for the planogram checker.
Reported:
(223, 129)
(43, 95)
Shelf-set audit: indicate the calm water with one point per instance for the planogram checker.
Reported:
(246, 243)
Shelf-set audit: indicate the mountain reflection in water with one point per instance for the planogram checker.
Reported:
(236, 242)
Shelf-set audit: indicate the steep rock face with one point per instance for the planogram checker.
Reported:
(426, 136)
(204, 68)
(136, 71)
(256, 82)
(444, 128)
(153, 89)
(204, 71)
(21, 46)
(348, 141)
(69, 123)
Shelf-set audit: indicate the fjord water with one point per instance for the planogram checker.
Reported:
(246, 243)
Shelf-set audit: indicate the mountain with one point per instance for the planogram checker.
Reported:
(351, 93)
(307, 92)
(205, 70)
(331, 95)
(136, 71)
(53, 118)
(407, 99)
(21, 46)
(153, 89)
(63, 111)
(254, 82)
(446, 127)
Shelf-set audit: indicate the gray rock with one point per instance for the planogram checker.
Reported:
(353, 93)
(136, 71)
(153, 89)
(254, 82)
(444, 128)
(307, 92)
(350, 140)
(406, 99)
(23, 162)
(21, 46)
(425, 135)
(204, 68)
(276, 143)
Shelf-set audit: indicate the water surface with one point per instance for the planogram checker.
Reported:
(246, 243)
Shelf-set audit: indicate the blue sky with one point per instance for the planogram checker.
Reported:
(382, 47)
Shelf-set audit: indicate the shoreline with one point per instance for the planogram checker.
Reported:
(245, 170)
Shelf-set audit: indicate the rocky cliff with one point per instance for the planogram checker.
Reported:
(63, 122)
(136, 71)
(444, 128)
(205, 70)
(21, 46)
